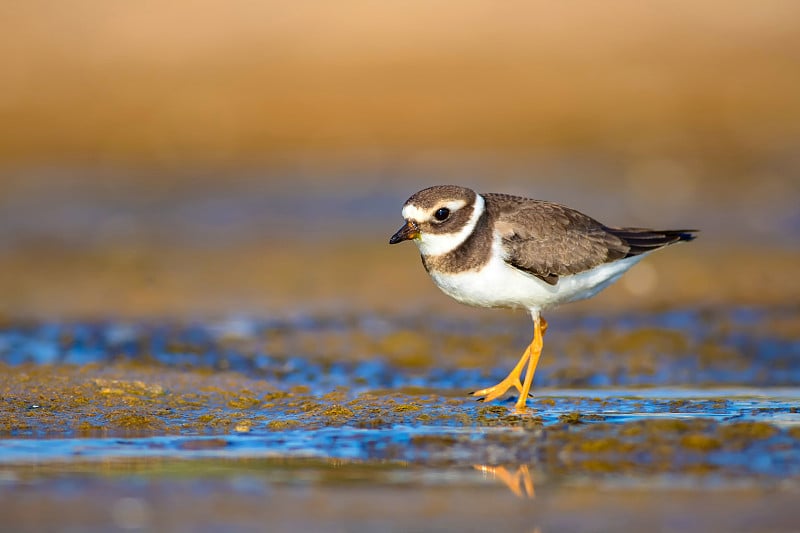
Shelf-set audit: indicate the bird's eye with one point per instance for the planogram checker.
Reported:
(441, 214)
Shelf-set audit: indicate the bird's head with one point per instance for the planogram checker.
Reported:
(440, 218)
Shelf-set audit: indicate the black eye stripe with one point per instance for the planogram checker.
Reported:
(441, 214)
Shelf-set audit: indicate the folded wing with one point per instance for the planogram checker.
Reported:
(550, 240)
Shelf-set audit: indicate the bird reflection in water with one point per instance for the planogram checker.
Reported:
(520, 482)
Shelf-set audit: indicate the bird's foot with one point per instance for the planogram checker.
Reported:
(492, 393)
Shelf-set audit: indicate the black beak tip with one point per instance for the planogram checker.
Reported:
(400, 236)
(407, 232)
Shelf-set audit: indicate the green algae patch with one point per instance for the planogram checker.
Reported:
(700, 442)
(338, 413)
(217, 422)
(123, 399)
(273, 396)
(282, 425)
(571, 418)
(123, 387)
(404, 408)
(243, 402)
(136, 421)
(663, 427)
(742, 432)
(498, 417)
(490, 410)
(605, 445)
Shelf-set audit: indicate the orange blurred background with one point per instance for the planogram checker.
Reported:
(210, 157)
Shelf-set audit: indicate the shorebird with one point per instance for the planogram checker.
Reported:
(499, 250)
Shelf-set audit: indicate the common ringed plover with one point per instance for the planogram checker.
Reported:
(498, 250)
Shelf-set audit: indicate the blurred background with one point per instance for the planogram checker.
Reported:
(208, 158)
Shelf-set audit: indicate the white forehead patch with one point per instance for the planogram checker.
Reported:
(412, 212)
(437, 244)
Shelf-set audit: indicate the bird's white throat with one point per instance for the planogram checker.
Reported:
(433, 244)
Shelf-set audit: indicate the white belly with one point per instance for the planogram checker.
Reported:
(501, 285)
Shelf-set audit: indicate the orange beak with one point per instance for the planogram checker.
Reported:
(409, 231)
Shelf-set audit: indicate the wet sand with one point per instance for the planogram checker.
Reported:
(131, 425)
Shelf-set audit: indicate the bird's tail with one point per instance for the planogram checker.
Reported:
(642, 240)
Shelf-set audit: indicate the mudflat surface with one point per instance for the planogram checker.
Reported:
(362, 422)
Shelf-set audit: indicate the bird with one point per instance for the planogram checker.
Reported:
(505, 251)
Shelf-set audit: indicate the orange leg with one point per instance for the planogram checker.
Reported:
(529, 356)
(539, 327)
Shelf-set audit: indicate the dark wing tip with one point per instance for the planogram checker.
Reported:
(641, 240)
(687, 234)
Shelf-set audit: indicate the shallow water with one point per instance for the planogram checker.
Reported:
(735, 432)
(347, 408)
